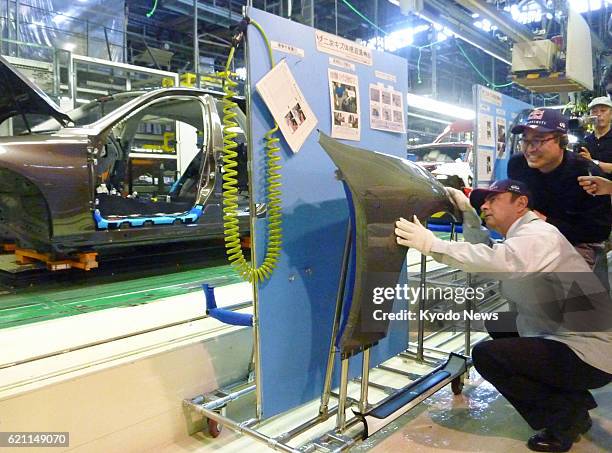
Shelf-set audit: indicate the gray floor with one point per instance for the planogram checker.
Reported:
(479, 420)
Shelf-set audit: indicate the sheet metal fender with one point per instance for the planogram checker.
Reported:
(383, 188)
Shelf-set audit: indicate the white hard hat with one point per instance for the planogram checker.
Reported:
(601, 100)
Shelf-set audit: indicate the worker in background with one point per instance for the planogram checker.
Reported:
(596, 185)
(599, 143)
(551, 172)
(561, 344)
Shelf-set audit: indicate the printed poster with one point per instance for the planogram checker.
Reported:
(485, 165)
(344, 98)
(485, 130)
(386, 109)
(287, 104)
(500, 137)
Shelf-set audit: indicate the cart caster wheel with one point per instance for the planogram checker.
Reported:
(457, 385)
(214, 428)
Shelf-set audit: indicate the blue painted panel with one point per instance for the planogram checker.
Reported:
(296, 306)
(500, 106)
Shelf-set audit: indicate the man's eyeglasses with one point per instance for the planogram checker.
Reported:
(535, 143)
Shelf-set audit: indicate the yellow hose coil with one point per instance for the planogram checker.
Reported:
(230, 190)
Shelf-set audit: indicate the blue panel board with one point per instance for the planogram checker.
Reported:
(495, 112)
(296, 306)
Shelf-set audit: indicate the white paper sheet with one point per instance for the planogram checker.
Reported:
(485, 130)
(500, 134)
(343, 48)
(287, 48)
(485, 164)
(386, 109)
(287, 105)
(344, 101)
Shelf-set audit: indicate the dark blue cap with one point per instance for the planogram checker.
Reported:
(543, 120)
(478, 196)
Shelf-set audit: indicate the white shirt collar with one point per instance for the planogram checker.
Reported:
(525, 218)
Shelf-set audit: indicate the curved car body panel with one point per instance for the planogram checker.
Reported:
(382, 188)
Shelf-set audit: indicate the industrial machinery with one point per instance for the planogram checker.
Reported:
(556, 64)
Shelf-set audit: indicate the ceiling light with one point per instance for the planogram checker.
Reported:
(439, 107)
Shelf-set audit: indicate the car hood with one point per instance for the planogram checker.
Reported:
(18, 95)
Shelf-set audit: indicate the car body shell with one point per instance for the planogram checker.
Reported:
(48, 179)
(454, 169)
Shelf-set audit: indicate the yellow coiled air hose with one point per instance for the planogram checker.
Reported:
(230, 190)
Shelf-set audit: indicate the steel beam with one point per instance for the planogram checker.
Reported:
(208, 13)
(502, 20)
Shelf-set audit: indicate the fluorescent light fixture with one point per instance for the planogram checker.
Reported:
(527, 13)
(439, 107)
(428, 118)
(584, 6)
(59, 18)
(241, 73)
(484, 25)
(398, 39)
(559, 107)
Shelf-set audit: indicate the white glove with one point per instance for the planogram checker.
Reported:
(461, 202)
(414, 235)
(459, 199)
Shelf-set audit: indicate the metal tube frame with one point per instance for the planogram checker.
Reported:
(331, 358)
(196, 44)
(220, 402)
(365, 378)
(254, 241)
(341, 416)
(422, 300)
(241, 428)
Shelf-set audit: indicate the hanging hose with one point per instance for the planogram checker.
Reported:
(230, 182)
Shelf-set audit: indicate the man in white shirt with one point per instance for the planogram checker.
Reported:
(564, 324)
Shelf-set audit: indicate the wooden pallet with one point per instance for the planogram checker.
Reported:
(7, 247)
(245, 242)
(84, 261)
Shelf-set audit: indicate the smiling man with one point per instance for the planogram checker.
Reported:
(551, 172)
(558, 347)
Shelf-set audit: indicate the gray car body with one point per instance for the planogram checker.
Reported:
(47, 180)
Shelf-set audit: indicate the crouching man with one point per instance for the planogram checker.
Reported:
(563, 329)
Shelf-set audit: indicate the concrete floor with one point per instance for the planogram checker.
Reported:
(479, 420)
